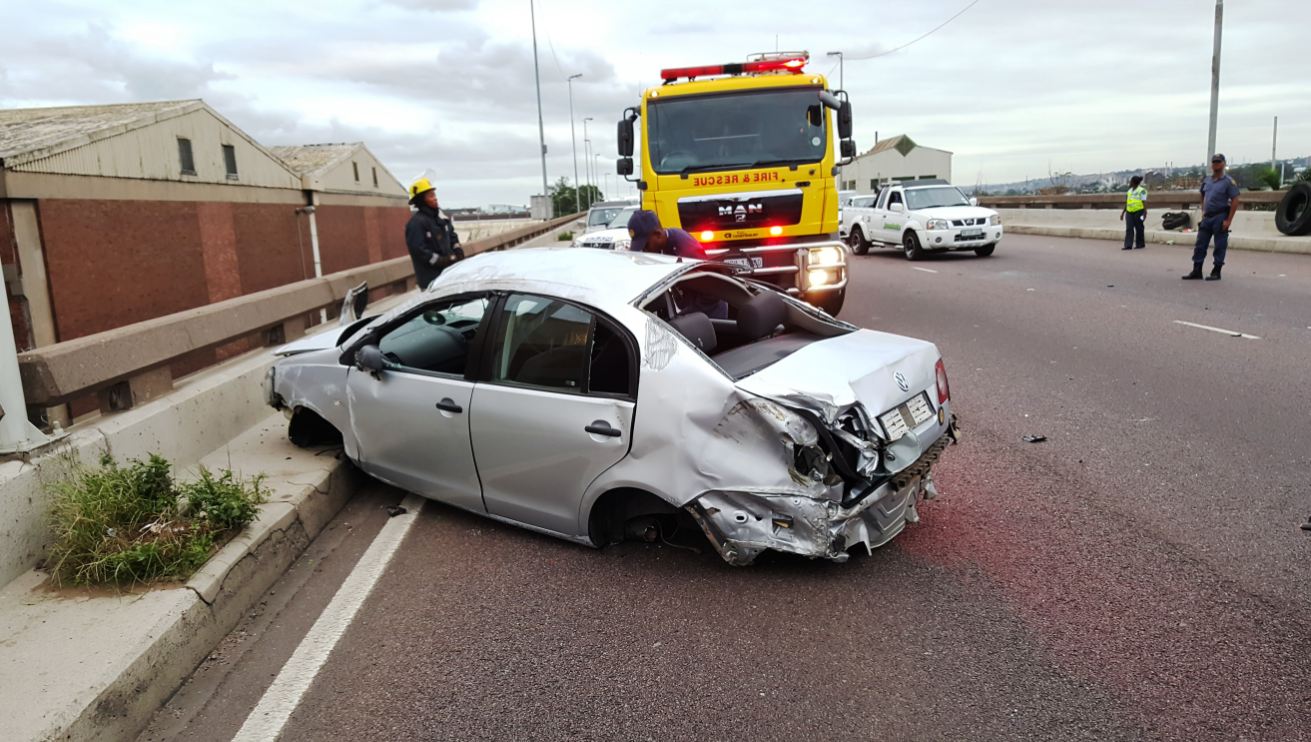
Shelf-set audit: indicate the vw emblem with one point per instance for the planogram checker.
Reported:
(900, 378)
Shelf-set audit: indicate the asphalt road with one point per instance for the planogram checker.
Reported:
(1138, 575)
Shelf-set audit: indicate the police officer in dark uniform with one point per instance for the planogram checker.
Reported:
(1219, 204)
(429, 236)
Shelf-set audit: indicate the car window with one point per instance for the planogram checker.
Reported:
(437, 339)
(621, 218)
(894, 198)
(556, 345)
(601, 217)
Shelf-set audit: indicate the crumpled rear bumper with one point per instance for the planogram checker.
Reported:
(742, 524)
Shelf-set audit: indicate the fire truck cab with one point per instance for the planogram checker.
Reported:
(744, 156)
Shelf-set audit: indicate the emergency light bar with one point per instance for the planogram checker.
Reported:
(785, 64)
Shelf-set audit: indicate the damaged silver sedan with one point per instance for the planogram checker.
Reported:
(597, 396)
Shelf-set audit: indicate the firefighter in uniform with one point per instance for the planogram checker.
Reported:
(1219, 204)
(1134, 214)
(430, 236)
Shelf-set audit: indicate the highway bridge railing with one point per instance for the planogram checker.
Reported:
(1263, 200)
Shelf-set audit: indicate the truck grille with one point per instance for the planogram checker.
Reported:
(740, 210)
(980, 221)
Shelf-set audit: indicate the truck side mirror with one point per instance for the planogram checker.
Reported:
(624, 166)
(625, 137)
(844, 120)
(848, 149)
(974, 201)
(897, 207)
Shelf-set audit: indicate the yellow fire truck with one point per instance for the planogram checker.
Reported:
(744, 157)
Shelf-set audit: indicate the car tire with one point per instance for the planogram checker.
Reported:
(984, 251)
(829, 301)
(1293, 217)
(910, 244)
(857, 242)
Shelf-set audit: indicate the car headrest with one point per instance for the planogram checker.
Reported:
(761, 316)
(698, 329)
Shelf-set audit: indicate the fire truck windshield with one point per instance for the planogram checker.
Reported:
(736, 130)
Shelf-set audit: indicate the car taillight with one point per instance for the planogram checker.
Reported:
(944, 391)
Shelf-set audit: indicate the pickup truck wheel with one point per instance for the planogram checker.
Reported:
(911, 244)
(985, 250)
(857, 242)
(829, 301)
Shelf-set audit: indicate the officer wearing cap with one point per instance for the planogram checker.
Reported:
(1219, 204)
(429, 236)
(648, 236)
(1135, 208)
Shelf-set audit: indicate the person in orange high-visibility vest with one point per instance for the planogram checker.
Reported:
(1134, 214)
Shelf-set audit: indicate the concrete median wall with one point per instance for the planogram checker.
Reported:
(1252, 230)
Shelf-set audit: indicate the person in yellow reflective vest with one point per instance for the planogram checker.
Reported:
(1134, 214)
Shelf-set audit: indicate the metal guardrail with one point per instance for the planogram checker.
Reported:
(130, 365)
(1157, 199)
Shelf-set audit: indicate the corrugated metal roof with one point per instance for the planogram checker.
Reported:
(901, 143)
(43, 131)
(312, 159)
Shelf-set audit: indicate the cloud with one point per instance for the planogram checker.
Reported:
(435, 6)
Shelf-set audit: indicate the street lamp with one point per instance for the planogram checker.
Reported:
(596, 170)
(572, 139)
(1215, 81)
(842, 84)
(541, 129)
(587, 158)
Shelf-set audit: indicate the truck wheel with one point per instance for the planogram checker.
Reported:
(911, 244)
(829, 301)
(857, 242)
(984, 251)
(1294, 213)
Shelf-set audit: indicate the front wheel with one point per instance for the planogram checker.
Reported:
(829, 301)
(910, 243)
(857, 242)
(984, 251)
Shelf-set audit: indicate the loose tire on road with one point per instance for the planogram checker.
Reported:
(910, 243)
(857, 242)
(1294, 213)
(984, 251)
(829, 301)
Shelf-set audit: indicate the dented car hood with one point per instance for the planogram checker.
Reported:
(862, 366)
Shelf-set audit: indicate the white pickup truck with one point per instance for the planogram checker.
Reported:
(920, 217)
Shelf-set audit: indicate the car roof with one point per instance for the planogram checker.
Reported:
(925, 183)
(597, 277)
(611, 204)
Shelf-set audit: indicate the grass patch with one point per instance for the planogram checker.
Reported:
(565, 236)
(132, 524)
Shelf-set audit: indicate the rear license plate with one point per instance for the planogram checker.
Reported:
(752, 262)
(910, 414)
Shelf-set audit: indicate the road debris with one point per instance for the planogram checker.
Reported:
(395, 510)
(1034, 438)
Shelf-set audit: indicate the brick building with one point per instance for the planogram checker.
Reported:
(115, 214)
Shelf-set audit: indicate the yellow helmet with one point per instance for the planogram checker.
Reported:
(420, 187)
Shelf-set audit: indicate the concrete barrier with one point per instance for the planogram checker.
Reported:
(1252, 230)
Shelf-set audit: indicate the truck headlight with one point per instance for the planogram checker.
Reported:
(820, 277)
(825, 256)
(994, 220)
(937, 224)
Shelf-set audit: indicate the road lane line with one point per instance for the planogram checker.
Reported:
(267, 719)
(1221, 330)
(926, 270)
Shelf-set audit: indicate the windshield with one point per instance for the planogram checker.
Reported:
(621, 219)
(931, 198)
(736, 130)
(602, 217)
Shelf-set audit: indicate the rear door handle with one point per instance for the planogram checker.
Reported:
(449, 405)
(601, 427)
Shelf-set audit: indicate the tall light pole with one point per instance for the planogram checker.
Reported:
(842, 84)
(541, 128)
(1215, 80)
(587, 158)
(572, 139)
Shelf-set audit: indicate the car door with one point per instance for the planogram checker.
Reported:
(553, 410)
(412, 418)
(892, 220)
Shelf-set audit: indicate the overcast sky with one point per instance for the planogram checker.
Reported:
(1012, 87)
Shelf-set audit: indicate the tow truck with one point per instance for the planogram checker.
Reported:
(744, 157)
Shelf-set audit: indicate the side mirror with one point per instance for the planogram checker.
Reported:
(974, 201)
(848, 149)
(625, 136)
(844, 120)
(624, 166)
(897, 207)
(369, 358)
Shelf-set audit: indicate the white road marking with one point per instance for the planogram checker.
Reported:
(267, 719)
(924, 270)
(1221, 330)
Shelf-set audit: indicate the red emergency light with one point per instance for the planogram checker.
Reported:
(786, 64)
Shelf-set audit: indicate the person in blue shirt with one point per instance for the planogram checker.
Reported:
(648, 236)
(1219, 204)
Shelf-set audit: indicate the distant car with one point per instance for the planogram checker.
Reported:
(920, 217)
(613, 236)
(519, 387)
(600, 214)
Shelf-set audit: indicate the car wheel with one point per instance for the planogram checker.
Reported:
(910, 242)
(984, 251)
(856, 241)
(829, 301)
